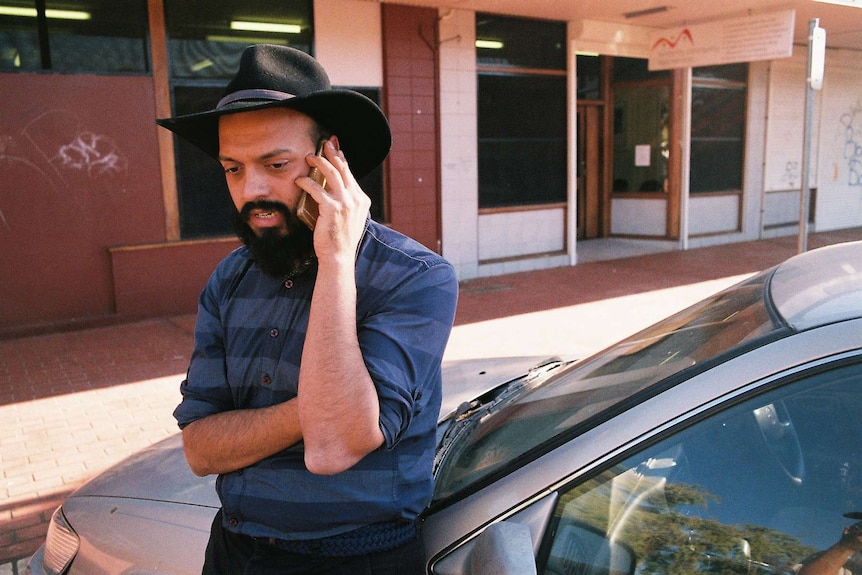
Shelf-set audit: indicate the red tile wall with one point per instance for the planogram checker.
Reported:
(410, 99)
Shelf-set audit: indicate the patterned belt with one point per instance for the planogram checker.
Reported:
(368, 539)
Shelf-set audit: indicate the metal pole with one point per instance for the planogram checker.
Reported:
(804, 199)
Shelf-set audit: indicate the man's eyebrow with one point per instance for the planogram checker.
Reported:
(267, 156)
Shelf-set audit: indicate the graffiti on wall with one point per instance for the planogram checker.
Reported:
(851, 122)
(54, 143)
(97, 155)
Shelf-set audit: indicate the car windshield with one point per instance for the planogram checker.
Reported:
(576, 398)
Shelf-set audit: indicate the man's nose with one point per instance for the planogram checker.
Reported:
(255, 186)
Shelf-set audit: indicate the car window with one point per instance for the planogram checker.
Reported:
(563, 402)
(757, 488)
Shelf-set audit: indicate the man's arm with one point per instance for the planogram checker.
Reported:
(230, 440)
(833, 559)
(339, 411)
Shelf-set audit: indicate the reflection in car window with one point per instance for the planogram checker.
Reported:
(739, 492)
(564, 403)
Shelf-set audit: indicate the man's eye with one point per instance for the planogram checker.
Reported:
(231, 169)
(278, 165)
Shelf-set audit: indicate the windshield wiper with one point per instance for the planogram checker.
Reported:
(470, 413)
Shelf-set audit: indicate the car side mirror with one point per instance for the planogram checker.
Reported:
(504, 548)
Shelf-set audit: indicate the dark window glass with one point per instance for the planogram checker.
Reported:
(729, 72)
(19, 39)
(521, 43)
(204, 201)
(205, 39)
(589, 70)
(636, 70)
(717, 135)
(521, 111)
(88, 36)
(522, 140)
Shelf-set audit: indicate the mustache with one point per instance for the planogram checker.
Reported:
(265, 205)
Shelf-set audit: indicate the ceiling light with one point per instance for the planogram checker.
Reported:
(646, 12)
(248, 40)
(265, 27)
(56, 14)
(489, 44)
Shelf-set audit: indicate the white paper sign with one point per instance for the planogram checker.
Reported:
(642, 155)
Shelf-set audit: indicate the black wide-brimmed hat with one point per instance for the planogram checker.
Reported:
(272, 76)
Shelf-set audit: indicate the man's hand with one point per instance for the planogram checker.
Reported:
(851, 539)
(343, 206)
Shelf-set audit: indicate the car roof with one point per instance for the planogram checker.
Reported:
(819, 287)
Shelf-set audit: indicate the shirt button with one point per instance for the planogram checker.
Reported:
(233, 521)
(288, 284)
(273, 332)
(266, 380)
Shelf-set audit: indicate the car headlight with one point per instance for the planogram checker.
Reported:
(61, 545)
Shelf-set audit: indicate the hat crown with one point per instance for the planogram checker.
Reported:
(280, 69)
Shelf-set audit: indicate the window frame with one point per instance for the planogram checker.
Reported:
(702, 82)
(48, 30)
(523, 71)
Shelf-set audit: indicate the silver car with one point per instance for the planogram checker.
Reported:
(724, 439)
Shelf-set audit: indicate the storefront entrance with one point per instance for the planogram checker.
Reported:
(590, 183)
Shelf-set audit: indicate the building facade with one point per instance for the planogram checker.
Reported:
(515, 141)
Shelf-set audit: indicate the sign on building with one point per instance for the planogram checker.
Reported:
(747, 39)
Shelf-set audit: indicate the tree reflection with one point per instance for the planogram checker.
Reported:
(669, 537)
(667, 527)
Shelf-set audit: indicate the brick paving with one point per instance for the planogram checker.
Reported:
(74, 403)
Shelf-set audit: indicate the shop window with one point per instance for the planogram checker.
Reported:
(641, 127)
(91, 36)
(521, 66)
(589, 71)
(636, 70)
(205, 45)
(718, 107)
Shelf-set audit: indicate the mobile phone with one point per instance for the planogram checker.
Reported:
(307, 209)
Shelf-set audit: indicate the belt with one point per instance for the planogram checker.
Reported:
(362, 541)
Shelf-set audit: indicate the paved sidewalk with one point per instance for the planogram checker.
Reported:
(74, 403)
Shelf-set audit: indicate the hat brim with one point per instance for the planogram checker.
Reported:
(362, 129)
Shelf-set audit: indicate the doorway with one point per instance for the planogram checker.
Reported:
(590, 196)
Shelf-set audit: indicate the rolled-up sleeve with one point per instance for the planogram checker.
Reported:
(403, 344)
(205, 390)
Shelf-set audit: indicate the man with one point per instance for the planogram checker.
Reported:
(314, 387)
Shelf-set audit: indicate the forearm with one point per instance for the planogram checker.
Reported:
(829, 562)
(337, 402)
(232, 440)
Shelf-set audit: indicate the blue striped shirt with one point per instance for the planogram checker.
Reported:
(248, 343)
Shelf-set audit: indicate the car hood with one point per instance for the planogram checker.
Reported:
(160, 472)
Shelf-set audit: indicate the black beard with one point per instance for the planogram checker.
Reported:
(276, 254)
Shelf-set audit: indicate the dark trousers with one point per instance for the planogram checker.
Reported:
(230, 553)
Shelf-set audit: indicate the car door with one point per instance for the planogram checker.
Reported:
(760, 485)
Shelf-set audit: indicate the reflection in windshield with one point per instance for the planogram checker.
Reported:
(565, 402)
